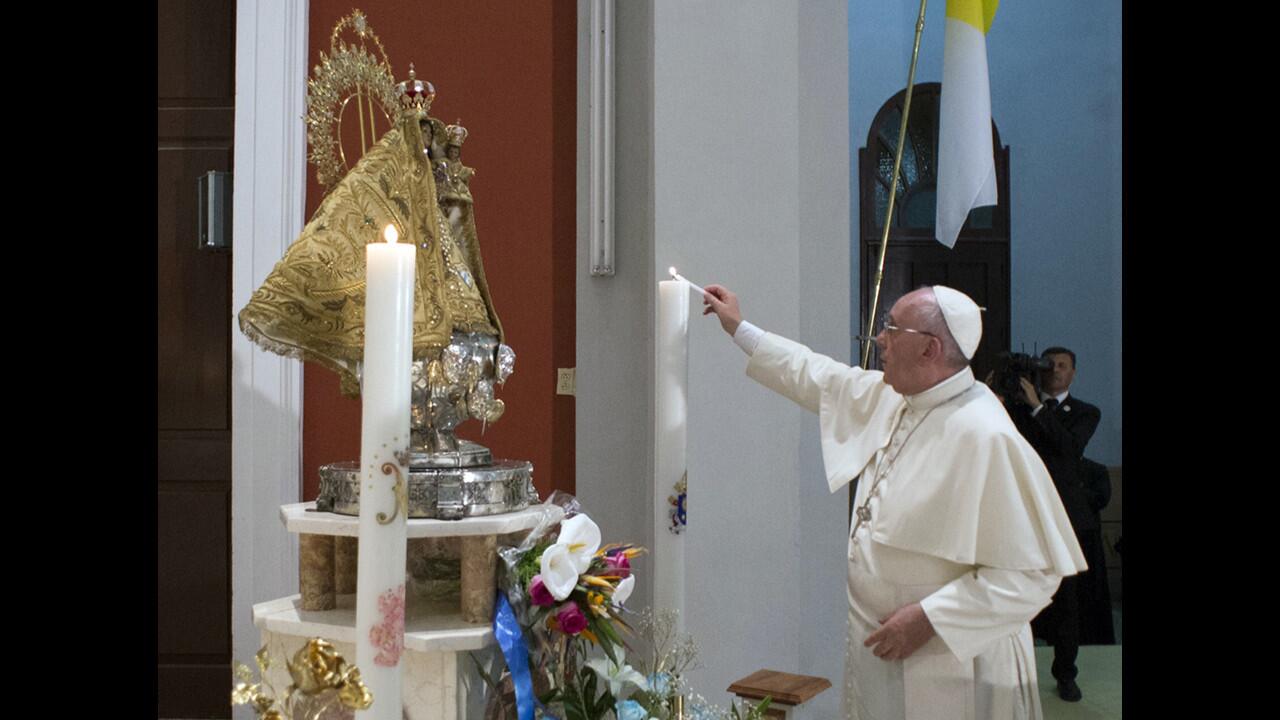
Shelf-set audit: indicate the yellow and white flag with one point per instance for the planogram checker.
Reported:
(966, 161)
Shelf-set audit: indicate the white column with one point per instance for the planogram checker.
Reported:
(266, 389)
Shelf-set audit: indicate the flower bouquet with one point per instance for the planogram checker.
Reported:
(566, 593)
(560, 626)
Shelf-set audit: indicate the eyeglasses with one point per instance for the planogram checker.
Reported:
(886, 323)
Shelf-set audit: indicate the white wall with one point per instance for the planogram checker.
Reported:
(614, 403)
(732, 165)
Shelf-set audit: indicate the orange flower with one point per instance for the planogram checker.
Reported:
(594, 580)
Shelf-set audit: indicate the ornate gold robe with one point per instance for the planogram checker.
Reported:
(311, 305)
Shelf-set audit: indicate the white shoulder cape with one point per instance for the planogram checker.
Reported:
(967, 487)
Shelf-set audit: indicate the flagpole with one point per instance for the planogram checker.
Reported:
(893, 189)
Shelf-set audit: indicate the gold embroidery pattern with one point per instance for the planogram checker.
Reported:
(311, 305)
(401, 495)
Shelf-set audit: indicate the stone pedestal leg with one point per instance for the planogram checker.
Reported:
(479, 561)
(315, 571)
(345, 551)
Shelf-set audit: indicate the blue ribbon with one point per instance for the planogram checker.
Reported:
(511, 640)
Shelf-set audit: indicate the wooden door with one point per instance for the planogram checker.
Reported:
(978, 265)
(196, 77)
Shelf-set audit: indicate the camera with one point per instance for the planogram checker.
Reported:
(1010, 367)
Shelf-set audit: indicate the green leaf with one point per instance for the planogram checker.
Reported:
(488, 679)
(608, 651)
(603, 704)
(755, 713)
(608, 636)
(574, 706)
(588, 684)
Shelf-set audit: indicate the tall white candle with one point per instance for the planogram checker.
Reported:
(384, 472)
(670, 440)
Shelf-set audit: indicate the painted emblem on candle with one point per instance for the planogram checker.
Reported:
(388, 635)
(401, 494)
(679, 517)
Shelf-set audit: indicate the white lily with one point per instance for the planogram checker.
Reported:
(616, 676)
(623, 591)
(559, 573)
(581, 536)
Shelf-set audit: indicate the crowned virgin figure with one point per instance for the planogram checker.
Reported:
(311, 305)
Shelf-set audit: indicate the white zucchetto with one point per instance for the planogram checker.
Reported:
(963, 318)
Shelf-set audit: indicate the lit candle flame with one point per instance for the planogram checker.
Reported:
(390, 234)
(677, 276)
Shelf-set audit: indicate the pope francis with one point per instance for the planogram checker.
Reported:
(958, 537)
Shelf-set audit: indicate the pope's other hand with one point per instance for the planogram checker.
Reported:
(901, 634)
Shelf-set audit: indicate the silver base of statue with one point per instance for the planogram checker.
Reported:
(439, 493)
(449, 478)
(468, 454)
(451, 388)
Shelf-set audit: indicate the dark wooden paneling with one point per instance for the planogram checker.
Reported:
(191, 126)
(195, 130)
(195, 51)
(192, 573)
(190, 690)
(193, 300)
(195, 456)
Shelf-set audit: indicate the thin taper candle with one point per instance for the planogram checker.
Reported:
(678, 276)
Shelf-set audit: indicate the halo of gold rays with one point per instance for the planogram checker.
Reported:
(351, 71)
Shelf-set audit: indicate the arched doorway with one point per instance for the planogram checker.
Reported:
(978, 264)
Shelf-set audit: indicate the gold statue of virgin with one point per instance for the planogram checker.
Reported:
(311, 305)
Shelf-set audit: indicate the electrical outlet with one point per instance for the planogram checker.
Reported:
(565, 381)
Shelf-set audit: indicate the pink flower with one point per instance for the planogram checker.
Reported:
(617, 565)
(571, 619)
(539, 594)
(388, 636)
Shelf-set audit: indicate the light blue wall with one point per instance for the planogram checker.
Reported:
(1055, 95)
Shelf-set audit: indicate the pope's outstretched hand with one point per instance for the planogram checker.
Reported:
(901, 634)
(724, 304)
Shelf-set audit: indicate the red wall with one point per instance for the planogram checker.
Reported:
(508, 70)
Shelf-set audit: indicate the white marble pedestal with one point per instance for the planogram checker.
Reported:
(439, 682)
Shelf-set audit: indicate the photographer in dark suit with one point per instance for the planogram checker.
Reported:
(1059, 426)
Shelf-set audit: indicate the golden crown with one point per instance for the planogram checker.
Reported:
(415, 94)
(457, 133)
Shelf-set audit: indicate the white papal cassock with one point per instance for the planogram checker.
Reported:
(965, 520)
